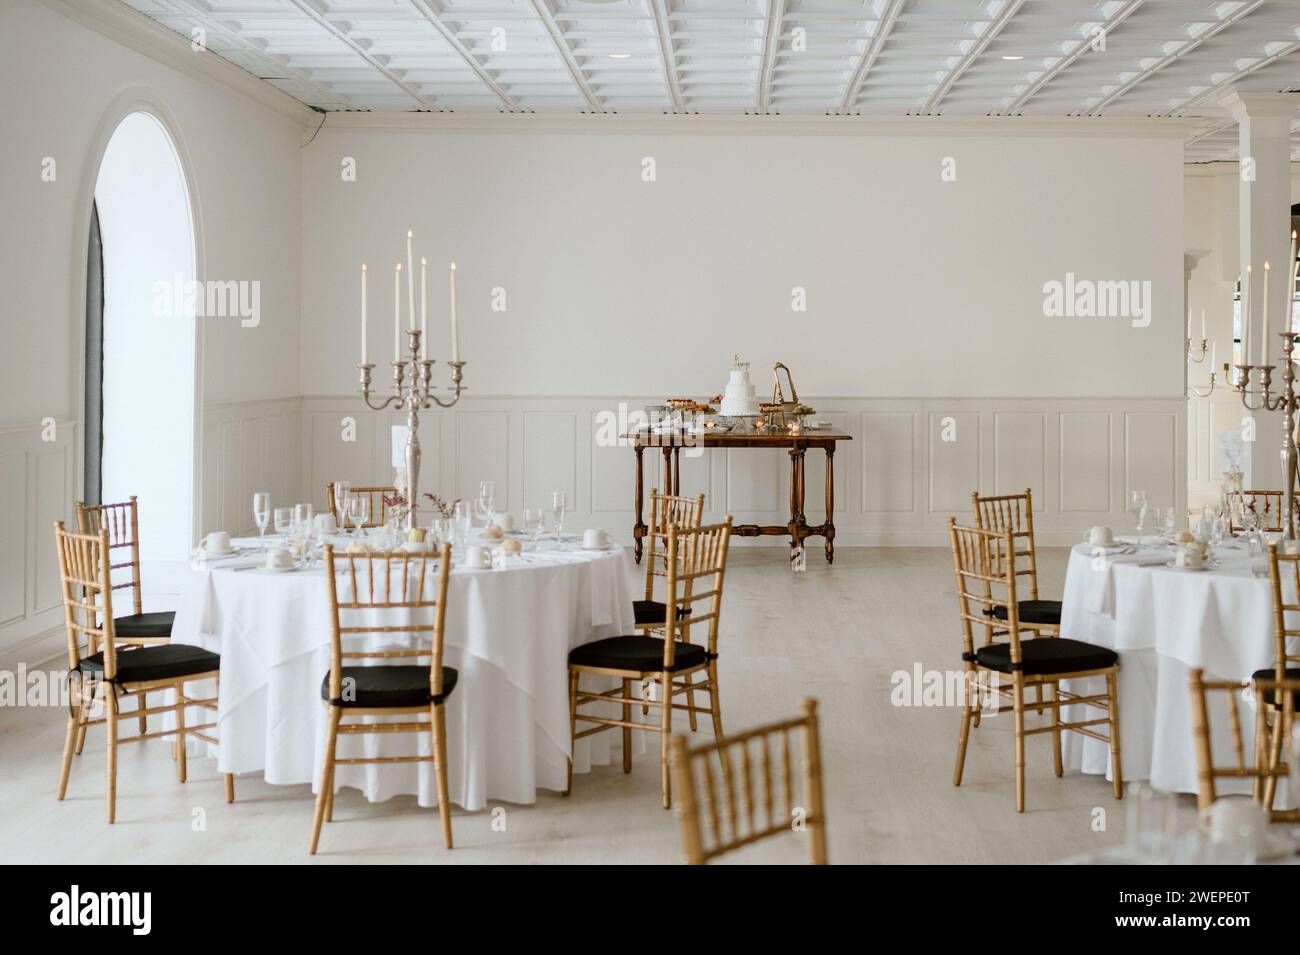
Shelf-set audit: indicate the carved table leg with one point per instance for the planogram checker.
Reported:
(639, 528)
(830, 503)
(677, 472)
(797, 522)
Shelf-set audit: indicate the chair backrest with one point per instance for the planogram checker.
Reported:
(695, 554)
(1233, 692)
(122, 522)
(666, 511)
(1266, 504)
(1013, 512)
(734, 816)
(981, 587)
(378, 507)
(87, 595)
(1284, 573)
(390, 581)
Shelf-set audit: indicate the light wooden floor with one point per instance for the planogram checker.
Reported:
(834, 633)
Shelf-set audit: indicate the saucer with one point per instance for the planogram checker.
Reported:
(1109, 548)
(1172, 566)
(202, 551)
(282, 570)
(598, 550)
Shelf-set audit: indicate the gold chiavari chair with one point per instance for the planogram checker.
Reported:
(1015, 513)
(106, 674)
(122, 523)
(376, 495)
(665, 510)
(1266, 504)
(1284, 576)
(1028, 662)
(390, 582)
(694, 554)
(1265, 768)
(730, 826)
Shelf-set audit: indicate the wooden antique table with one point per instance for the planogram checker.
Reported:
(797, 527)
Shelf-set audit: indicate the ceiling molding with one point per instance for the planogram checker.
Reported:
(771, 45)
(1005, 16)
(1172, 128)
(119, 23)
(433, 18)
(870, 54)
(668, 54)
(543, 9)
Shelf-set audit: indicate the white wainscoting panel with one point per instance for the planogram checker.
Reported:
(249, 446)
(896, 483)
(37, 486)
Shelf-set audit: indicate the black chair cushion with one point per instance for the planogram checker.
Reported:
(154, 663)
(381, 686)
(1292, 673)
(1045, 612)
(640, 654)
(153, 625)
(647, 612)
(1048, 655)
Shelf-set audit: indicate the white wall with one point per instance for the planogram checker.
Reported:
(63, 84)
(925, 302)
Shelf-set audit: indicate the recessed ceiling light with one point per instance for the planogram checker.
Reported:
(1005, 57)
(620, 56)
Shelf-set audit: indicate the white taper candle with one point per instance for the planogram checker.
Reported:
(363, 313)
(455, 319)
(424, 308)
(1263, 345)
(397, 313)
(410, 279)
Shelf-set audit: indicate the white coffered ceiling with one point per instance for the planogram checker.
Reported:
(869, 57)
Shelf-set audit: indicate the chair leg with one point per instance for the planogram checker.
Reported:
(181, 747)
(573, 726)
(1274, 758)
(1116, 766)
(968, 712)
(439, 719)
(110, 724)
(144, 720)
(1020, 741)
(690, 701)
(230, 787)
(627, 733)
(69, 744)
(326, 777)
(83, 714)
(1054, 697)
(1261, 749)
(329, 788)
(1038, 697)
(714, 703)
(666, 728)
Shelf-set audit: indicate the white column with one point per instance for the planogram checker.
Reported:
(1264, 137)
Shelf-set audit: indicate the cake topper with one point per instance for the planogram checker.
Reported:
(742, 365)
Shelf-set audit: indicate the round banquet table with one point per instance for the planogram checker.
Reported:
(508, 632)
(1163, 622)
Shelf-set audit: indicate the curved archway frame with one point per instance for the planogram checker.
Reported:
(139, 99)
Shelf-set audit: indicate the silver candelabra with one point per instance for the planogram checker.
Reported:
(415, 395)
(1286, 403)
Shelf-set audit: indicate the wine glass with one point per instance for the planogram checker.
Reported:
(535, 521)
(1137, 506)
(302, 517)
(283, 521)
(342, 491)
(559, 504)
(359, 510)
(261, 512)
(460, 523)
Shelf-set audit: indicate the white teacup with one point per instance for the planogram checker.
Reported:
(1188, 557)
(504, 521)
(325, 524)
(1099, 536)
(595, 538)
(477, 557)
(218, 542)
(279, 559)
(1234, 819)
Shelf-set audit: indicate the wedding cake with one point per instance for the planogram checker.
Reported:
(739, 399)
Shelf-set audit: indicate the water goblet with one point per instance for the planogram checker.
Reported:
(559, 504)
(261, 512)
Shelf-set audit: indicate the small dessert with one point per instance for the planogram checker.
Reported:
(356, 547)
(415, 536)
(511, 546)
(1184, 537)
(493, 532)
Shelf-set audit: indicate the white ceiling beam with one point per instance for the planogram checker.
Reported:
(1004, 17)
(1118, 17)
(1235, 17)
(269, 62)
(308, 7)
(668, 55)
(545, 14)
(883, 26)
(447, 33)
(771, 43)
(1222, 88)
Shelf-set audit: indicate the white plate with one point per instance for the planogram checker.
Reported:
(281, 570)
(1172, 566)
(597, 550)
(1110, 548)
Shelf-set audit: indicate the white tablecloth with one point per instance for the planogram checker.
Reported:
(1163, 622)
(508, 633)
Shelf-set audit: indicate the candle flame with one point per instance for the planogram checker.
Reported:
(363, 266)
(410, 233)
(423, 260)
(453, 266)
(399, 266)
(1266, 266)
(1249, 267)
